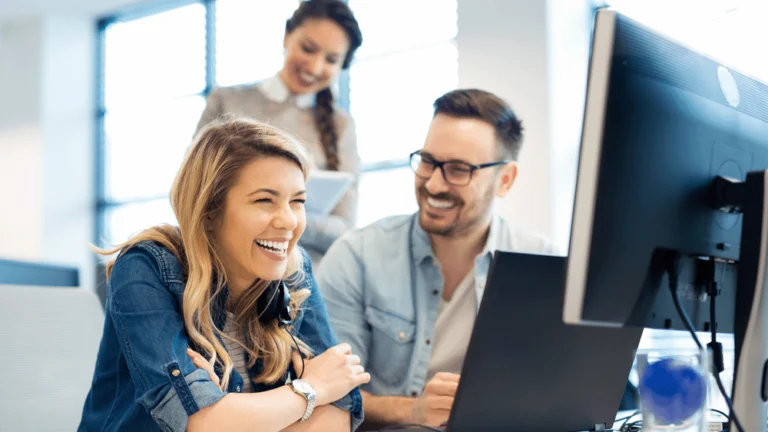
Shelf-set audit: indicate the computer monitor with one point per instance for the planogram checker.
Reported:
(671, 181)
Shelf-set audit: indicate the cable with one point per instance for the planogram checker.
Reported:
(635, 426)
(672, 273)
(299, 351)
(717, 354)
(626, 420)
(409, 425)
(710, 277)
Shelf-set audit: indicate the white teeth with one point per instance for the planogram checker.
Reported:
(307, 77)
(277, 248)
(440, 204)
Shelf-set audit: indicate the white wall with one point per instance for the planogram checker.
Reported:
(47, 141)
(533, 54)
(68, 127)
(20, 43)
(21, 142)
(21, 192)
(502, 49)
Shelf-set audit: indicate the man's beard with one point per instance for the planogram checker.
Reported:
(475, 214)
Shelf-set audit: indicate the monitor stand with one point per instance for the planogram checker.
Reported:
(750, 383)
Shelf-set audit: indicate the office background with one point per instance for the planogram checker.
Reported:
(99, 100)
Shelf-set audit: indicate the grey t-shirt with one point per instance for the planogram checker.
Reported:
(453, 328)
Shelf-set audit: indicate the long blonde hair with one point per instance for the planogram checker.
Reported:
(212, 165)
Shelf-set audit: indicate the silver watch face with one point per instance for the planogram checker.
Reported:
(302, 386)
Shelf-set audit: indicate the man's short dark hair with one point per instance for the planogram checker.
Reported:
(485, 106)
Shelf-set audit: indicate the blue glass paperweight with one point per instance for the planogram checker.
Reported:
(673, 393)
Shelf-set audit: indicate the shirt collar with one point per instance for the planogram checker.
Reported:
(274, 88)
(421, 246)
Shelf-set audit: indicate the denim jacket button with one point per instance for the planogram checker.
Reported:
(238, 389)
(401, 335)
(175, 372)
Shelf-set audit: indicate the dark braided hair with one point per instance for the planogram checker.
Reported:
(340, 13)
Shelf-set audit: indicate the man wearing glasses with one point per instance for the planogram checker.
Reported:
(404, 291)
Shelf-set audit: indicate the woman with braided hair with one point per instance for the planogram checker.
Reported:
(321, 38)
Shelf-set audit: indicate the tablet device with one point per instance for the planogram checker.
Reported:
(324, 191)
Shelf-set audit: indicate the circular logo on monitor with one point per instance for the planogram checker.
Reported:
(728, 86)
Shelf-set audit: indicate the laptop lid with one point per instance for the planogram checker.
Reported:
(526, 370)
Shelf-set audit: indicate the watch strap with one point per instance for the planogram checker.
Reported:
(310, 408)
(310, 398)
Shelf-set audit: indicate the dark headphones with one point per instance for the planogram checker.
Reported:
(275, 304)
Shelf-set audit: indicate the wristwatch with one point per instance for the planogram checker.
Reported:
(305, 390)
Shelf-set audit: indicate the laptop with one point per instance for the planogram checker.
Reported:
(526, 370)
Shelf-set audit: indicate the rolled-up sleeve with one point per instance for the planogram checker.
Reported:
(150, 330)
(315, 330)
(196, 391)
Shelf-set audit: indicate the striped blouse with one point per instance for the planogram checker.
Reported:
(236, 351)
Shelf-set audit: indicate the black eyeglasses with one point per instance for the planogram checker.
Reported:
(455, 173)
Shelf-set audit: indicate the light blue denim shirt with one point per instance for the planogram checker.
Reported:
(382, 285)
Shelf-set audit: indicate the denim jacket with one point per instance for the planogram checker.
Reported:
(144, 379)
(383, 285)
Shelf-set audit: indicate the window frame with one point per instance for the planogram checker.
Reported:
(104, 204)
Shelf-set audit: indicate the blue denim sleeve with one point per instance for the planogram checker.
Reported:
(150, 330)
(315, 330)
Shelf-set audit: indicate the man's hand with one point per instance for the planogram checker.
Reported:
(434, 405)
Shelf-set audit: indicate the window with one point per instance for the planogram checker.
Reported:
(386, 192)
(395, 79)
(156, 73)
(150, 105)
(249, 39)
(731, 31)
(137, 64)
(158, 66)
